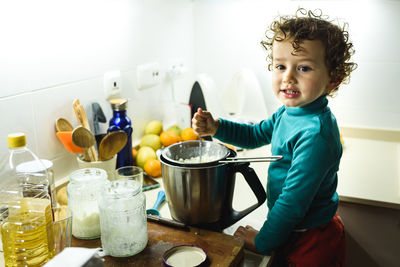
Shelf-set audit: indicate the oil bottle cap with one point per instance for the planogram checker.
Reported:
(118, 104)
(16, 140)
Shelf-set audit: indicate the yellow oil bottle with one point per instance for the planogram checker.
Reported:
(27, 234)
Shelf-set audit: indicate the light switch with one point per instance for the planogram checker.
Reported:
(112, 84)
(148, 75)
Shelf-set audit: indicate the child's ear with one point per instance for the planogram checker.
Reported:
(332, 86)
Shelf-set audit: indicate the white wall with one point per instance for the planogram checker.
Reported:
(228, 34)
(53, 51)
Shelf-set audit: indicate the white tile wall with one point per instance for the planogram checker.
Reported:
(17, 116)
(35, 114)
(53, 54)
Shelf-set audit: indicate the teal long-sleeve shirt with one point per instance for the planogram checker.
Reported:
(301, 188)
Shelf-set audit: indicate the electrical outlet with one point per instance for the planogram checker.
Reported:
(112, 84)
(148, 75)
(177, 69)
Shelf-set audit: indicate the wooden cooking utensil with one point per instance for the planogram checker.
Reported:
(111, 144)
(66, 139)
(63, 125)
(83, 121)
(84, 138)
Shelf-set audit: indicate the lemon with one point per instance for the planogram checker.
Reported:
(151, 140)
(153, 127)
(175, 129)
(144, 154)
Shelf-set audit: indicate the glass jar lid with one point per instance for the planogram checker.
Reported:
(88, 175)
(121, 189)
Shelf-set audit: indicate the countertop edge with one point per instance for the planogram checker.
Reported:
(370, 202)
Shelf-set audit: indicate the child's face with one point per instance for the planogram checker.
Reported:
(299, 79)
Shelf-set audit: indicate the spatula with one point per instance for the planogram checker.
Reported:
(98, 116)
(160, 199)
(66, 139)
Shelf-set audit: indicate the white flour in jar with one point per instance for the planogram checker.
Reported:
(87, 226)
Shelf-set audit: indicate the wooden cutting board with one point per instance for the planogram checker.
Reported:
(222, 250)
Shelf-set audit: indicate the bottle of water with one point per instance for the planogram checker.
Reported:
(120, 121)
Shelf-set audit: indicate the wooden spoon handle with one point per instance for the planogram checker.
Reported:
(86, 155)
(76, 105)
(83, 121)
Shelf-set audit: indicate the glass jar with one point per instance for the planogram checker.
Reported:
(83, 191)
(123, 218)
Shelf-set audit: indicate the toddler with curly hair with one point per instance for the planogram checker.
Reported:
(309, 57)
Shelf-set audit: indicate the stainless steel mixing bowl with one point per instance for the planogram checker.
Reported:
(202, 195)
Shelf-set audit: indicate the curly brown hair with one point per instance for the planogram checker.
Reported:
(312, 25)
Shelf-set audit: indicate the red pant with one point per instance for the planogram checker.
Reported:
(324, 245)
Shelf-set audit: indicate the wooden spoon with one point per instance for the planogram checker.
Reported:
(111, 144)
(63, 125)
(83, 138)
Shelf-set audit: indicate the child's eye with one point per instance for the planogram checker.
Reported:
(304, 68)
(280, 67)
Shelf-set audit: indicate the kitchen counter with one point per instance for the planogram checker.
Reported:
(243, 197)
(221, 250)
(370, 167)
(369, 174)
(231, 247)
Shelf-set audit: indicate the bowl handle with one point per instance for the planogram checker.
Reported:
(232, 216)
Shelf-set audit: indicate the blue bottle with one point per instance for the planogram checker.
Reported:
(120, 121)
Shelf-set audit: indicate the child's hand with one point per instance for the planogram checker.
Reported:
(248, 234)
(203, 123)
